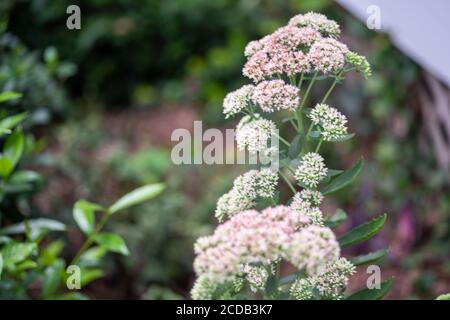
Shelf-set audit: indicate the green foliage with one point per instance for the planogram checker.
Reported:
(372, 294)
(136, 197)
(344, 178)
(363, 231)
(26, 250)
(40, 81)
(370, 257)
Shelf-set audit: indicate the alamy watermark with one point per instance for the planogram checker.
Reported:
(214, 146)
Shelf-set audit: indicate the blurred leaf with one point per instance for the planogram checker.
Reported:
(27, 264)
(52, 278)
(372, 294)
(9, 95)
(13, 147)
(37, 227)
(10, 122)
(89, 275)
(6, 166)
(92, 256)
(1, 265)
(137, 196)
(24, 176)
(370, 257)
(15, 252)
(112, 242)
(50, 253)
(363, 231)
(71, 296)
(295, 147)
(336, 220)
(344, 138)
(344, 179)
(271, 286)
(83, 213)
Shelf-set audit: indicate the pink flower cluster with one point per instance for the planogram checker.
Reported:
(251, 237)
(306, 44)
(281, 52)
(275, 95)
(327, 55)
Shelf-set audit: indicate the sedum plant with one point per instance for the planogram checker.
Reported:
(257, 234)
(32, 264)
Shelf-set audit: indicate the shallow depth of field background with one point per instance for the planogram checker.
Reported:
(104, 101)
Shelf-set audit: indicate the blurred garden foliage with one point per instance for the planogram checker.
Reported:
(185, 55)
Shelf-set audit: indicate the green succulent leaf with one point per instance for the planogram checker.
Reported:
(372, 294)
(370, 257)
(112, 242)
(363, 231)
(137, 196)
(336, 220)
(344, 179)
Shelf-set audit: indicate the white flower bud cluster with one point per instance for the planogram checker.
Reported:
(306, 203)
(330, 282)
(333, 124)
(254, 134)
(312, 170)
(237, 100)
(246, 189)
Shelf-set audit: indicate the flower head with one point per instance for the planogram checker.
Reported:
(257, 67)
(256, 276)
(302, 289)
(330, 282)
(274, 95)
(312, 170)
(306, 204)
(332, 122)
(359, 62)
(327, 55)
(318, 22)
(246, 188)
(252, 47)
(312, 248)
(237, 100)
(292, 38)
(203, 289)
(254, 134)
(249, 237)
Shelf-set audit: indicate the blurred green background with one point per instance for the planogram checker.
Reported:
(104, 100)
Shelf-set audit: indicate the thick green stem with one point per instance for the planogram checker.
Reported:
(318, 145)
(336, 79)
(283, 140)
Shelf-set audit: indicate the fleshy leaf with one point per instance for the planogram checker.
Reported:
(363, 231)
(370, 257)
(344, 179)
(372, 294)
